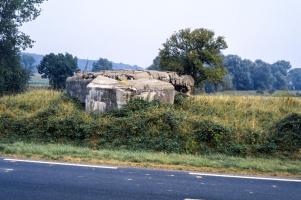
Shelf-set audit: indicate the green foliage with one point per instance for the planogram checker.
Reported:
(288, 133)
(102, 64)
(213, 135)
(196, 53)
(180, 99)
(156, 64)
(134, 105)
(258, 75)
(216, 162)
(295, 77)
(159, 132)
(27, 63)
(232, 125)
(13, 78)
(57, 68)
(13, 14)
(240, 71)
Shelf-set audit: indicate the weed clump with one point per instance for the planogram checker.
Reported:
(287, 136)
(213, 135)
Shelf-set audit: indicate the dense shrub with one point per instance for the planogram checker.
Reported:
(134, 105)
(287, 135)
(180, 99)
(156, 131)
(213, 135)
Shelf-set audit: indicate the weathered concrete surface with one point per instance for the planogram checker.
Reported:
(76, 87)
(182, 84)
(109, 90)
(107, 94)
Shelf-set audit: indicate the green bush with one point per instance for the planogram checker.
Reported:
(287, 135)
(158, 132)
(213, 135)
(134, 105)
(180, 99)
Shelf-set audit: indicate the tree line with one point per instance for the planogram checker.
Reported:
(259, 75)
(198, 53)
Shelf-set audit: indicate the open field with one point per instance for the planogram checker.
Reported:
(37, 81)
(276, 93)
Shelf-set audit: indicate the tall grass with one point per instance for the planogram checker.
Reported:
(243, 112)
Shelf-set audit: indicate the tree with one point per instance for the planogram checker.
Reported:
(280, 71)
(102, 64)
(57, 68)
(262, 76)
(156, 64)
(258, 75)
(13, 13)
(28, 63)
(295, 78)
(240, 71)
(196, 53)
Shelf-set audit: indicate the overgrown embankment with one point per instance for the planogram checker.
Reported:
(197, 125)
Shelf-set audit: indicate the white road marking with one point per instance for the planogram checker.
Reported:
(63, 164)
(6, 170)
(246, 177)
(192, 199)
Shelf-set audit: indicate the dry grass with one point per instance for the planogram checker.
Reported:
(28, 103)
(258, 113)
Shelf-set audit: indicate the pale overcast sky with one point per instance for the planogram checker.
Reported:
(132, 31)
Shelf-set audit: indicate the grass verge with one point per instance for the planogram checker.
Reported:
(206, 163)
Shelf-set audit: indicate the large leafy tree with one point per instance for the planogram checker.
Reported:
(13, 13)
(102, 64)
(263, 76)
(196, 53)
(57, 68)
(240, 71)
(280, 71)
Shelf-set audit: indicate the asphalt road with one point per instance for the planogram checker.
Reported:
(29, 180)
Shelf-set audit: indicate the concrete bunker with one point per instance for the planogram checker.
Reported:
(108, 90)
